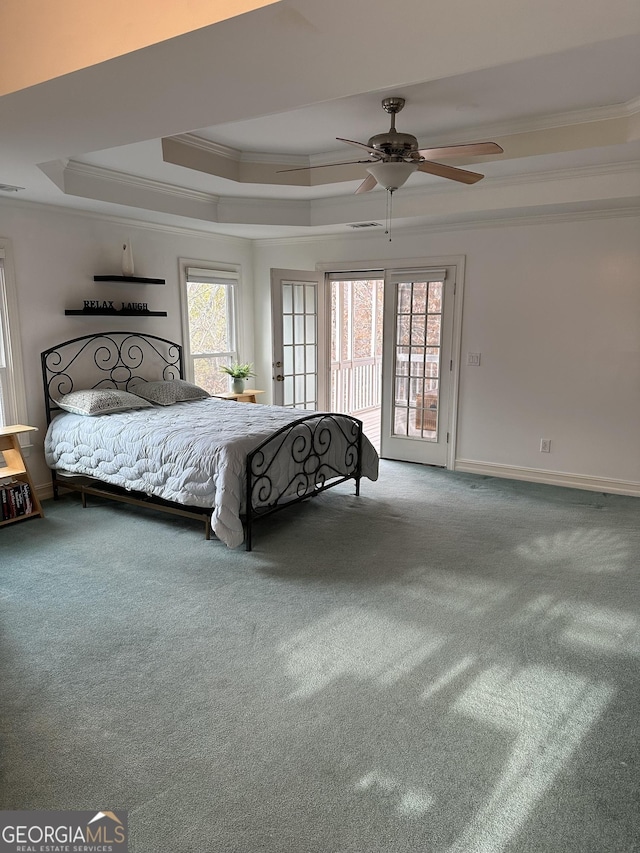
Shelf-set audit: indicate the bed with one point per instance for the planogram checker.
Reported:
(225, 463)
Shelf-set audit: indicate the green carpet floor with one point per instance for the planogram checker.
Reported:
(447, 664)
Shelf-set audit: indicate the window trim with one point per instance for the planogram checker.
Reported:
(210, 270)
(16, 398)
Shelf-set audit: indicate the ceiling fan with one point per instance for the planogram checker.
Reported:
(394, 156)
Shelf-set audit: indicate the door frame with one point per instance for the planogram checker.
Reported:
(398, 264)
(317, 280)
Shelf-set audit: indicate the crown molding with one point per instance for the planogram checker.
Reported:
(570, 173)
(508, 128)
(633, 106)
(294, 204)
(87, 170)
(553, 175)
(127, 221)
(200, 142)
(497, 183)
(294, 207)
(466, 224)
(549, 121)
(534, 219)
(345, 232)
(149, 184)
(216, 149)
(237, 156)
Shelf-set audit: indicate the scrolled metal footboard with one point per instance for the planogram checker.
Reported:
(304, 458)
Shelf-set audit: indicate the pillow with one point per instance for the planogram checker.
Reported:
(166, 393)
(101, 401)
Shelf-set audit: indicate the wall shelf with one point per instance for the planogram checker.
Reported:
(132, 279)
(106, 307)
(105, 312)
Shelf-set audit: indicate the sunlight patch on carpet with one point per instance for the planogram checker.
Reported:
(548, 713)
(353, 642)
(582, 624)
(408, 802)
(455, 592)
(454, 672)
(584, 549)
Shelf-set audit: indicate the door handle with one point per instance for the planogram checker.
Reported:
(279, 378)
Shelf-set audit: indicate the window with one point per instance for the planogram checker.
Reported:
(12, 399)
(4, 373)
(211, 329)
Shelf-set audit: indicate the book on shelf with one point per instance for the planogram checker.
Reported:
(15, 499)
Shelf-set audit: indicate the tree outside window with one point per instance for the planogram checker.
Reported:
(212, 330)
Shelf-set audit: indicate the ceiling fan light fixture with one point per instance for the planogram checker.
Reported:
(392, 175)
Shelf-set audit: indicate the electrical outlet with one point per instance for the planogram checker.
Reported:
(545, 445)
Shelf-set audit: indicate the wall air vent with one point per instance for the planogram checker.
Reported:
(365, 225)
(9, 188)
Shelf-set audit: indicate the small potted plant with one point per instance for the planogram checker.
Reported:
(239, 373)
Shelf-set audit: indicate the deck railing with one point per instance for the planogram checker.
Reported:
(356, 385)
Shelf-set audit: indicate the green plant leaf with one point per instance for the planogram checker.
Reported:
(238, 370)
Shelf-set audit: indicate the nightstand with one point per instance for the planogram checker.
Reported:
(18, 497)
(248, 396)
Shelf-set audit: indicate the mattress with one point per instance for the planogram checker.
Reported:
(191, 453)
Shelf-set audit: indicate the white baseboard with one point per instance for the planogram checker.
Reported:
(45, 491)
(552, 478)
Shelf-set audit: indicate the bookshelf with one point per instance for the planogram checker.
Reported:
(18, 496)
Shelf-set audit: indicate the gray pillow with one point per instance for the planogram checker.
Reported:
(101, 401)
(171, 391)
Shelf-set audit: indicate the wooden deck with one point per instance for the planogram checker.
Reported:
(371, 425)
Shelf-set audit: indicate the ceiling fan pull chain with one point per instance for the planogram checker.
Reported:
(389, 213)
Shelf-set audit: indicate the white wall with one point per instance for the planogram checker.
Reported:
(56, 253)
(554, 308)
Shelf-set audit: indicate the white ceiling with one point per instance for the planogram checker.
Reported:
(559, 89)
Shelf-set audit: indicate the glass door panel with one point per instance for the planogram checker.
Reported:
(417, 359)
(418, 336)
(297, 339)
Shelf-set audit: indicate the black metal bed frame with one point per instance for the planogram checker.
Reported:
(309, 441)
(306, 447)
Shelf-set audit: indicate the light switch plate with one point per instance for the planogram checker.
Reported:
(473, 359)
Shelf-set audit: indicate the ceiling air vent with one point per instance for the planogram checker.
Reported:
(9, 188)
(365, 225)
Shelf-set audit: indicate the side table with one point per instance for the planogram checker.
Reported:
(247, 396)
(18, 496)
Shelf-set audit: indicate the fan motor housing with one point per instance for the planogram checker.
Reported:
(394, 144)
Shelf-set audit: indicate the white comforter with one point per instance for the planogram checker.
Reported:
(191, 453)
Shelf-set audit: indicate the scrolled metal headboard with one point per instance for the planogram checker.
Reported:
(107, 360)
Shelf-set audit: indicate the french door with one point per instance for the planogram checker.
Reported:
(299, 339)
(417, 365)
(419, 362)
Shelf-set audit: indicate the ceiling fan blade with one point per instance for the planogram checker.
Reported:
(359, 144)
(468, 149)
(322, 166)
(450, 172)
(368, 184)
